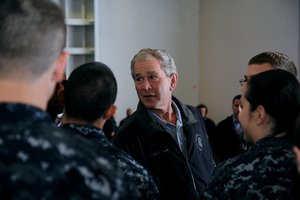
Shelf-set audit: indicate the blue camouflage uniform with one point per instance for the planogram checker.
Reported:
(266, 171)
(40, 161)
(139, 175)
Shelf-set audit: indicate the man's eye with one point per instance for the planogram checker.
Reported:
(138, 79)
(153, 77)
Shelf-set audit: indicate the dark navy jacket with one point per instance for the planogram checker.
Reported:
(178, 176)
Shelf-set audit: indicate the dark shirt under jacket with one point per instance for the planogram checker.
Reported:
(138, 174)
(226, 142)
(40, 161)
(123, 120)
(266, 171)
(177, 175)
(210, 127)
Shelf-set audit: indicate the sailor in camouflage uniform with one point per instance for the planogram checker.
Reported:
(37, 159)
(41, 161)
(270, 105)
(89, 95)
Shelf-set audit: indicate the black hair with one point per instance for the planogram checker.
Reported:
(90, 90)
(278, 91)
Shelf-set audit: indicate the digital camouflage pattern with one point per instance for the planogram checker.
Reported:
(139, 175)
(40, 161)
(266, 171)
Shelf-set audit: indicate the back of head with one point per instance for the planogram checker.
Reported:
(278, 92)
(90, 90)
(276, 60)
(32, 35)
(167, 62)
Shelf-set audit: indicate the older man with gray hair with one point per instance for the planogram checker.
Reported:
(165, 135)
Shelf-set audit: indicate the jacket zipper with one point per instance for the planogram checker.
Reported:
(193, 180)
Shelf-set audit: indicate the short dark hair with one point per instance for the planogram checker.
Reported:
(202, 106)
(90, 90)
(276, 60)
(278, 91)
(32, 35)
(236, 97)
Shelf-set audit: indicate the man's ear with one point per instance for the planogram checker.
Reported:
(60, 94)
(60, 65)
(259, 115)
(110, 112)
(174, 80)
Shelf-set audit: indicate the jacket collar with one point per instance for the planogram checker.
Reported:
(150, 126)
(85, 130)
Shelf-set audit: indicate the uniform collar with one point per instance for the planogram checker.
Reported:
(18, 112)
(149, 125)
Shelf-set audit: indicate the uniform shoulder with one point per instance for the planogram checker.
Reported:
(44, 159)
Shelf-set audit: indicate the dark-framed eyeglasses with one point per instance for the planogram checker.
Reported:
(243, 80)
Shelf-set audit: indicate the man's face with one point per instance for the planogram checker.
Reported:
(254, 69)
(245, 118)
(235, 107)
(203, 112)
(153, 87)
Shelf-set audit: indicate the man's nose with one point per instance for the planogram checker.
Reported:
(146, 84)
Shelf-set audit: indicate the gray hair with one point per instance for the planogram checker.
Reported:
(276, 60)
(166, 61)
(32, 35)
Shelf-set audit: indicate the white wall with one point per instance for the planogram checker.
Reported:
(210, 40)
(129, 25)
(233, 31)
